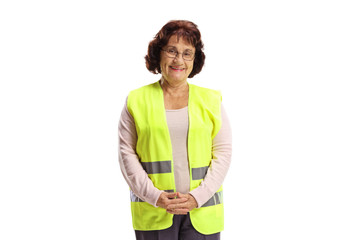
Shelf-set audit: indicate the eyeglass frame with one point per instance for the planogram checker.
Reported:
(177, 53)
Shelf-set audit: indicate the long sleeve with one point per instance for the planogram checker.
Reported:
(222, 149)
(133, 172)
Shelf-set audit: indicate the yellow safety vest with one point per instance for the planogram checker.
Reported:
(154, 149)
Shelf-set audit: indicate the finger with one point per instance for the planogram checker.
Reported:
(174, 205)
(171, 195)
(178, 211)
(177, 206)
(176, 201)
(180, 195)
(173, 201)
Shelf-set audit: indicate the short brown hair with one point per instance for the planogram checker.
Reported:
(181, 28)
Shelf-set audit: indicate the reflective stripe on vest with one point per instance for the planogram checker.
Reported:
(199, 173)
(157, 167)
(134, 198)
(214, 200)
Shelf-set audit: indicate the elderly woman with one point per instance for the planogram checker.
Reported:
(175, 143)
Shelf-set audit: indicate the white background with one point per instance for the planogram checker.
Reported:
(289, 74)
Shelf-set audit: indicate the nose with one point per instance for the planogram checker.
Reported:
(178, 57)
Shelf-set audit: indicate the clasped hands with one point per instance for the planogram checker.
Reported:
(177, 203)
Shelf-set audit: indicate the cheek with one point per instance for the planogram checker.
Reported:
(162, 65)
(191, 67)
(162, 61)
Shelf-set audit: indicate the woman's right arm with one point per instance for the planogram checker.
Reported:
(133, 172)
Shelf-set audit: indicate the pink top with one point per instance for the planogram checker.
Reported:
(178, 125)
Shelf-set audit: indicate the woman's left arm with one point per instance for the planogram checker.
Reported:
(222, 149)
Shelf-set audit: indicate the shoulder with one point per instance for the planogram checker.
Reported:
(143, 96)
(144, 93)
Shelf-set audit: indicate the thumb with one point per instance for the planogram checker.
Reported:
(180, 195)
(171, 195)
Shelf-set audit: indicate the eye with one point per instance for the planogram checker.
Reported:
(172, 51)
(188, 53)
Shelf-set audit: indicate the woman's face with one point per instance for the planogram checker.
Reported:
(176, 70)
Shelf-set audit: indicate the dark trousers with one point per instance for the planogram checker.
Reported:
(181, 229)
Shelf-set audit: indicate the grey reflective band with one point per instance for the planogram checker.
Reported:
(199, 173)
(214, 200)
(157, 167)
(135, 198)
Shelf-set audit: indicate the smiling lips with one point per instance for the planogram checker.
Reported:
(178, 69)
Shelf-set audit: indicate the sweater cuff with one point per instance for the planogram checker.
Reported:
(199, 198)
(155, 198)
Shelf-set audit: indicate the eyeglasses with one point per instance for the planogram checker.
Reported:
(172, 52)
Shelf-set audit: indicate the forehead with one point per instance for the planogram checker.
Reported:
(179, 42)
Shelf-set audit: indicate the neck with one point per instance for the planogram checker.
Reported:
(174, 88)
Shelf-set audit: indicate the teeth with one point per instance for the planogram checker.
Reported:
(176, 68)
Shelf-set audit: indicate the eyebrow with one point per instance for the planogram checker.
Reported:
(176, 48)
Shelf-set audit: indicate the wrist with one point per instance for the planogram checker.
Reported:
(194, 200)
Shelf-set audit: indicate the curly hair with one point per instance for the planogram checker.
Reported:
(182, 29)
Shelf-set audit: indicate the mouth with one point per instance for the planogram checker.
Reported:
(178, 69)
